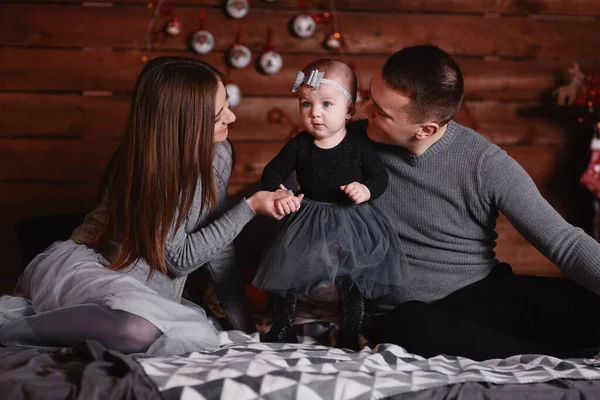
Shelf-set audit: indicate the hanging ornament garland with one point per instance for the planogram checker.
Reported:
(362, 94)
(277, 116)
(303, 24)
(238, 55)
(589, 92)
(173, 25)
(202, 41)
(234, 94)
(237, 9)
(334, 40)
(270, 61)
(157, 32)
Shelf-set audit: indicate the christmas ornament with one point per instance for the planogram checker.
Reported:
(234, 94)
(202, 41)
(362, 95)
(334, 41)
(304, 26)
(589, 92)
(270, 61)
(239, 56)
(173, 27)
(237, 8)
(591, 177)
(277, 116)
(568, 94)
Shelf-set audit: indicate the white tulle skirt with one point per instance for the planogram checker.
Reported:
(68, 274)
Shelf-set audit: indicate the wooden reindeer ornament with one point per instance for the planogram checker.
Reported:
(567, 94)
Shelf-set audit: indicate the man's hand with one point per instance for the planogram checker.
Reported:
(357, 192)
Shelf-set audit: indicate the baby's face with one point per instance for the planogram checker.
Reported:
(323, 111)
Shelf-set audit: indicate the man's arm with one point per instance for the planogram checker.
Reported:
(505, 185)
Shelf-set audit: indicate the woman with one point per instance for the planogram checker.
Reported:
(119, 279)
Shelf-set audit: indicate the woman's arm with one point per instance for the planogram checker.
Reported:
(200, 237)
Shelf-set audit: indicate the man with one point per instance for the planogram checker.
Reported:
(447, 184)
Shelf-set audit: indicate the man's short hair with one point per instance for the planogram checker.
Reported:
(430, 78)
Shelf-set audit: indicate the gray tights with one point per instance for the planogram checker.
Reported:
(69, 326)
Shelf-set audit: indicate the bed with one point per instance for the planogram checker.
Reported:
(245, 368)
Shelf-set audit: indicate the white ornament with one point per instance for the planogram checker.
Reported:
(271, 62)
(239, 56)
(334, 41)
(361, 96)
(173, 27)
(304, 26)
(234, 94)
(237, 8)
(202, 42)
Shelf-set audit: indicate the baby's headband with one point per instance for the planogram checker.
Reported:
(314, 80)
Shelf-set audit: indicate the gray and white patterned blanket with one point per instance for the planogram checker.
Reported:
(245, 369)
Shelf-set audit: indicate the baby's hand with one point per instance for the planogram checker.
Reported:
(288, 205)
(357, 192)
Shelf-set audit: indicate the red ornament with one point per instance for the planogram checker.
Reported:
(277, 116)
(591, 177)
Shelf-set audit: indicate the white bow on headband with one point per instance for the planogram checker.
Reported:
(314, 80)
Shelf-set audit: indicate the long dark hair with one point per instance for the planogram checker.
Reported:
(168, 145)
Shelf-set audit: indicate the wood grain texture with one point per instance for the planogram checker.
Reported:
(76, 160)
(55, 142)
(28, 199)
(572, 7)
(21, 200)
(124, 26)
(102, 70)
(522, 256)
(38, 115)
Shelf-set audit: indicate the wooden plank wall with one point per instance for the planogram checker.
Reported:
(67, 69)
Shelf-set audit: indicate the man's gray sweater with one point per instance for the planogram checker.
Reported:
(444, 205)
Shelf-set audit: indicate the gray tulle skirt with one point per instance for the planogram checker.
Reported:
(323, 241)
(68, 274)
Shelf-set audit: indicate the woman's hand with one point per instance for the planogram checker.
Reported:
(274, 204)
(357, 192)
